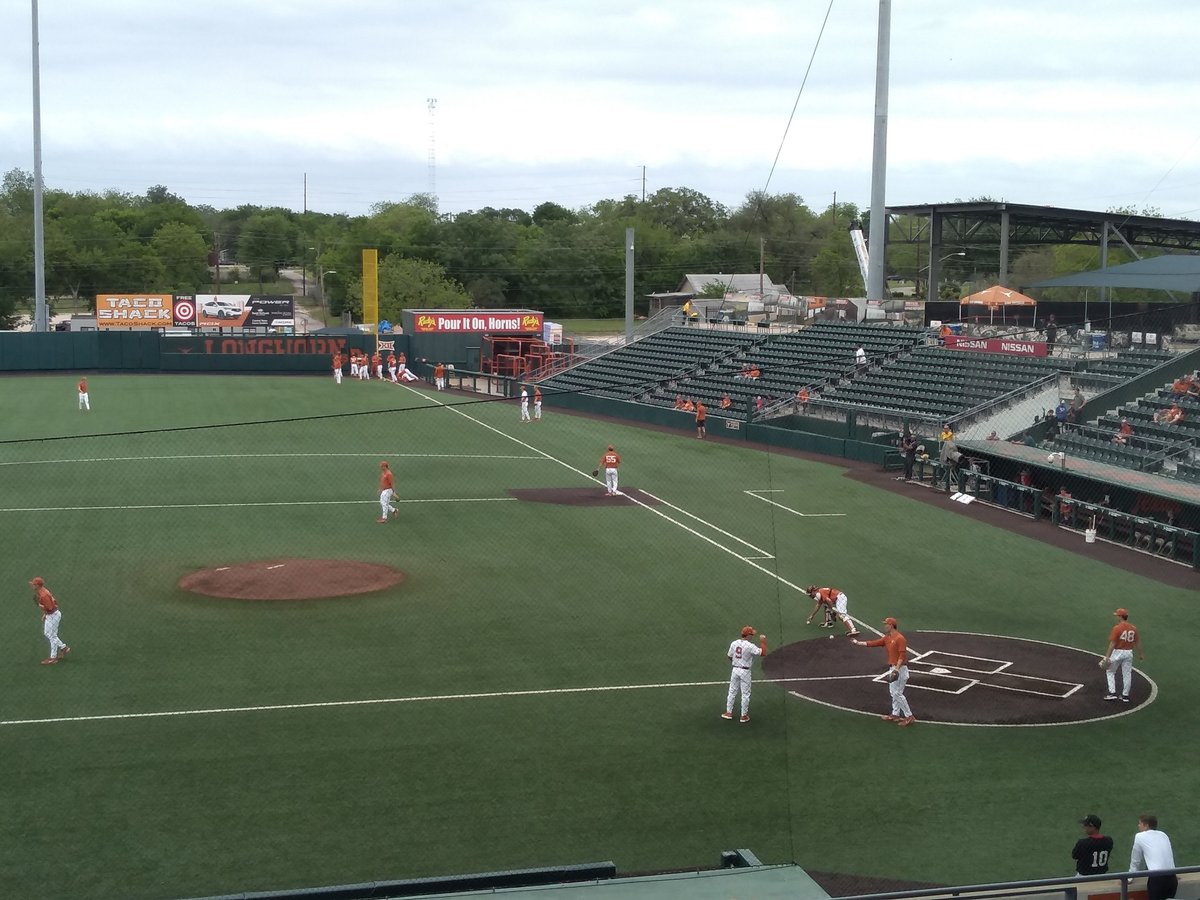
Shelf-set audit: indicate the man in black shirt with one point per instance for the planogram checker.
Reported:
(1091, 852)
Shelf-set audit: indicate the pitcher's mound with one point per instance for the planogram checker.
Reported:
(291, 579)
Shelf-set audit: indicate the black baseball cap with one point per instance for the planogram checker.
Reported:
(1090, 821)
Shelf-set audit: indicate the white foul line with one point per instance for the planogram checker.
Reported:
(482, 695)
(29, 509)
(267, 456)
(794, 512)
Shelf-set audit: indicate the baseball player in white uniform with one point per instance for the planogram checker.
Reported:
(524, 403)
(741, 655)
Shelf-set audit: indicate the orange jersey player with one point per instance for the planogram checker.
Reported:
(387, 490)
(897, 655)
(439, 377)
(1123, 639)
(392, 367)
(85, 404)
(701, 415)
(537, 403)
(836, 605)
(337, 368)
(610, 462)
(51, 618)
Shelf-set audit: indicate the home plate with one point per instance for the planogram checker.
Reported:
(939, 671)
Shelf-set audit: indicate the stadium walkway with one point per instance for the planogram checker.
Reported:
(760, 882)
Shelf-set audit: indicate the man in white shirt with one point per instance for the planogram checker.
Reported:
(741, 655)
(1152, 850)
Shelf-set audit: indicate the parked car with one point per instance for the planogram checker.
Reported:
(217, 308)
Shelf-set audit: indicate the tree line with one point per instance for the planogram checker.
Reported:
(568, 262)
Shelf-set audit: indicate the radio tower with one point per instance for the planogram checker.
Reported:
(431, 103)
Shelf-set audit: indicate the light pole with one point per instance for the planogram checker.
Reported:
(934, 265)
(321, 273)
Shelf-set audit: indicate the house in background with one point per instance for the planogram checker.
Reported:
(747, 291)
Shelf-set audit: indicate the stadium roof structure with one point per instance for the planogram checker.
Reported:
(1172, 272)
(987, 227)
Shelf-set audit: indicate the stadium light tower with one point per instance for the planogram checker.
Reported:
(877, 272)
(41, 318)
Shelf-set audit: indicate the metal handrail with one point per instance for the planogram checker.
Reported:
(660, 321)
(1068, 885)
(977, 411)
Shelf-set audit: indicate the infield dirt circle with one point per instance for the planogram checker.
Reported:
(291, 579)
(957, 678)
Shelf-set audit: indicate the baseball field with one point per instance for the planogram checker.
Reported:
(542, 680)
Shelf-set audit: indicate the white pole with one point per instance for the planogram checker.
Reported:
(876, 246)
(41, 318)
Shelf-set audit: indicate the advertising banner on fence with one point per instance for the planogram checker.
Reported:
(133, 311)
(243, 311)
(996, 345)
(477, 321)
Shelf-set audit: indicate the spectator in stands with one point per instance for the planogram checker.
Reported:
(1051, 334)
(688, 405)
(1194, 385)
(1123, 433)
(754, 372)
(725, 401)
(1060, 416)
(1180, 387)
(1172, 416)
(860, 358)
(802, 400)
(1076, 411)
(993, 436)
(745, 373)
(759, 403)
(947, 433)
(908, 452)
(679, 401)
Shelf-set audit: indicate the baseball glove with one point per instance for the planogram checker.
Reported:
(595, 472)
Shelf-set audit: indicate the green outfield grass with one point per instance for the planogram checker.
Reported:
(474, 769)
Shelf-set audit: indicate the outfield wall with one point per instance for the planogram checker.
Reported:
(151, 351)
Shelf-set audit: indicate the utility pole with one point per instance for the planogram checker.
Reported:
(643, 184)
(628, 285)
(431, 104)
(217, 249)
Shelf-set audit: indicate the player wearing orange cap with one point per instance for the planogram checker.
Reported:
(741, 654)
(897, 653)
(1122, 640)
(387, 490)
(51, 617)
(337, 368)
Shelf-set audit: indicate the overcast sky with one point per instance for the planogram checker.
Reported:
(1080, 103)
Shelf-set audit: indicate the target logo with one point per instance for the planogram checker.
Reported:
(184, 311)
